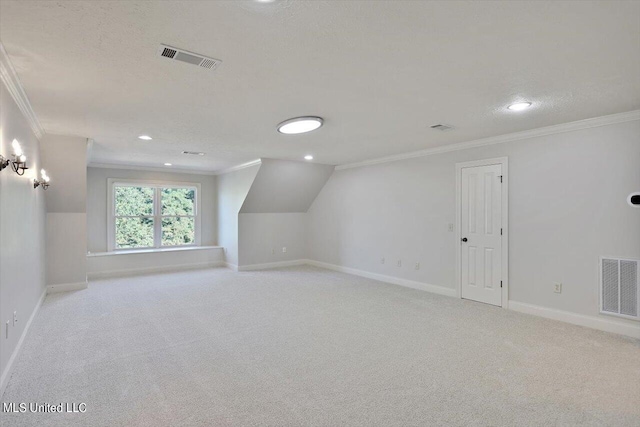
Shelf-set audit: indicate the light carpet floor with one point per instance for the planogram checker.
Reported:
(305, 346)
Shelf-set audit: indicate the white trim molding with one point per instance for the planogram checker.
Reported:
(239, 167)
(504, 162)
(10, 79)
(4, 379)
(607, 325)
(152, 251)
(150, 168)
(269, 265)
(501, 139)
(440, 290)
(173, 169)
(67, 287)
(230, 266)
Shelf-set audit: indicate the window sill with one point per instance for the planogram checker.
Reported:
(151, 251)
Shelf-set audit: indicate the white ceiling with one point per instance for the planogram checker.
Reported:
(379, 72)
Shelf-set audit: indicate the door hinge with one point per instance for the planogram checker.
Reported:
(501, 231)
(500, 283)
(500, 176)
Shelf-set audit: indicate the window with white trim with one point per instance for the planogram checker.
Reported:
(145, 215)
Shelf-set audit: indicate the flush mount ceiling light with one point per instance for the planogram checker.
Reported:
(308, 157)
(145, 137)
(167, 164)
(519, 106)
(300, 125)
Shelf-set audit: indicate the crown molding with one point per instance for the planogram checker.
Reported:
(10, 79)
(171, 169)
(150, 169)
(511, 137)
(239, 167)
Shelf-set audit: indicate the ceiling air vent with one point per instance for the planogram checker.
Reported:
(188, 57)
(194, 153)
(441, 127)
(619, 290)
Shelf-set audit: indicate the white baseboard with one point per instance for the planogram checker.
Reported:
(66, 287)
(607, 325)
(272, 265)
(4, 379)
(152, 270)
(229, 265)
(441, 290)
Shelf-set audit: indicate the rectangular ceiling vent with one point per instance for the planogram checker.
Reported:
(619, 287)
(441, 127)
(194, 153)
(188, 57)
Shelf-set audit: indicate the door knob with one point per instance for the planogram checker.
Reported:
(464, 239)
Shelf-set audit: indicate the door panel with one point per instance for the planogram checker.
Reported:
(481, 222)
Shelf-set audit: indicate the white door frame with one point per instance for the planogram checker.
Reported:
(504, 161)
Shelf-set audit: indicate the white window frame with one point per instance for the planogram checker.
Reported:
(112, 183)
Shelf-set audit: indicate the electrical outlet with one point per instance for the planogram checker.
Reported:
(382, 260)
(15, 318)
(399, 263)
(450, 226)
(273, 251)
(284, 249)
(417, 266)
(557, 288)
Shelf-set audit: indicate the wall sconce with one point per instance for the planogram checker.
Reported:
(4, 162)
(44, 182)
(19, 162)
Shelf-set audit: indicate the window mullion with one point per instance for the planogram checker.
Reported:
(157, 218)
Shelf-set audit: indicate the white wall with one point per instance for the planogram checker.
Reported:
(233, 188)
(273, 215)
(262, 237)
(97, 201)
(567, 208)
(22, 232)
(65, 160)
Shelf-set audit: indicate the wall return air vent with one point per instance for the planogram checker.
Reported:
(619, 288)
(189, 57)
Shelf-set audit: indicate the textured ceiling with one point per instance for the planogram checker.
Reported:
(379, 72)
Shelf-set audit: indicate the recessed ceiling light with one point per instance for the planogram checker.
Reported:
(167, 164)
(308, 157)
(519, 106)
(145, 137)
(300, 125)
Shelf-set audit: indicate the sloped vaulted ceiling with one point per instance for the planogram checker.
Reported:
(285, 186)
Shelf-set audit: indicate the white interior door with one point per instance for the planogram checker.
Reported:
(481, 228)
